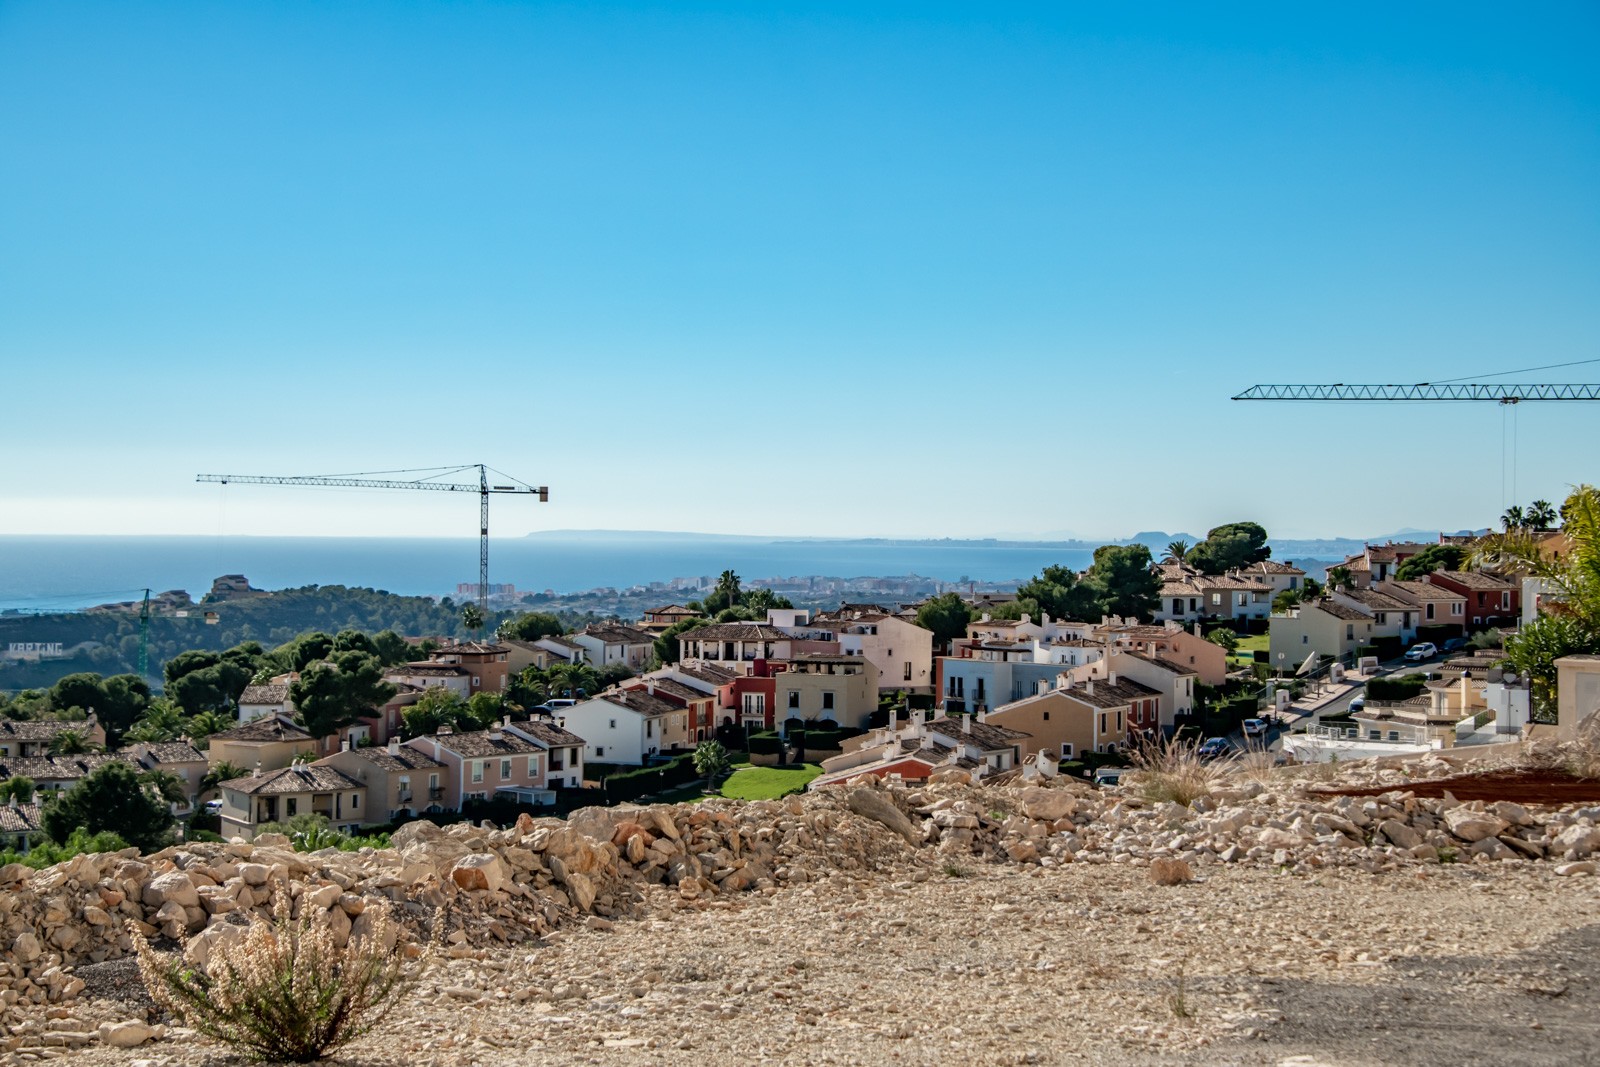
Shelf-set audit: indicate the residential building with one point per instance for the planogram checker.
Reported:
(402, 781)
(1332, 630)
(1381, 563)
(481, 763)
(426, 674)
(487, 665)
(1281, 577)
(21, 825)
(177, 758)
(608, 643)
(270, 698)
(268, 743)
(739, 646)
(54, 773)
(544, 653)
(1577, 694)
(1437, 605)
(1175, 684)
(1188, 596)
(914, 751)
(35, 736)
(280, 795)
(1391, 615)
(1171, 643)
(819, 687)
(1093, 715)
(1491, 600)
(658, 619)
(627, 726)
(901, 651)
(563, 764)
(701, 705)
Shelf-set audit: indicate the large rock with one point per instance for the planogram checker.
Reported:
(1579, 840)
(130, 1034)
(1047, 804)
(173, 887)
(26, 948)
(483, 870)
(870, 803)
(1401, 835)
(1471, 825)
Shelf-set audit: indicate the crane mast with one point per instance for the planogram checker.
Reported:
(352, 481)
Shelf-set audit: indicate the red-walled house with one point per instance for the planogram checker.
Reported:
(1490, 600)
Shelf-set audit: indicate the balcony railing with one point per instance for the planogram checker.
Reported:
(436, 792)
(405, 796)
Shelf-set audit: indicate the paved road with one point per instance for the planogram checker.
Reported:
(1338, 706)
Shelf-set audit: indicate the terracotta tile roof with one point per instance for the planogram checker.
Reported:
(736, 631)
(547, 733)
(1420, 590)
(41, 729)
(616, 634)
(55, 768)
(1339, 611)
(266, 729)
(1377, 600)
(301, 778)
(168, 752)
(667, 687)
(406, 759)
(1108, 695)
(273, 693)
(1271, 566)
(675, 609)
(478, 744)
(1166, 665)
(988, 736)
(709, 673)
(470, 648)
(638, 700)
(427, 669)
(1474, 580)
(21, 819)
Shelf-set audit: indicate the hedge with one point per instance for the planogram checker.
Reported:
(634, 784)
(1403, 687)
(765, 745)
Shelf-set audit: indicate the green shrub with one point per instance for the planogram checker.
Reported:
(1402, 687)
(78, 842)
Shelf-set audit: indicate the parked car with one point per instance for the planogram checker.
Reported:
(1421, 651)
(1109, 776)
(1255, 727)
(1214, 748)
(1455, 644)
(1357, 704)
(213, 807)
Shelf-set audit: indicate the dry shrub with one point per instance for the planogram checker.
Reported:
(1164, 871)
(1173, 771)
(287, 992)
(1256, 765)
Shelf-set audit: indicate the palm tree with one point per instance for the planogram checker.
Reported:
(711, 760)
(161, 721)
(568, 678)
(219, 773)
(166, 785)
(1176, 551)
(1341, 578)
(206, 723)
(472, 618)
(1513, 519)
(1541, 515)
(70, 743)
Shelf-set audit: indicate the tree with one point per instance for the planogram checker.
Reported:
(1234, 544)
(1285, 601)
(725, 595)
(531, 626)
(571, 679)
(667, 648)
(1513, 518)
(1541, 515)
(760, 601)
(1433, 558)
(947, 615)
(1569, 622)
(332, 694)
(472, 618)
(166, 785)
(70, 743)
(1310, 589)
(1341, 578)
(110, 798)
(1176, 551)
(161, 721)
(390, 648)
(218, 773)
(1224, 637)
(710, 760)
(354, 641)
(18, 787)
(1126, 583)
(612, 674)
(435, 708)
(1058, 592)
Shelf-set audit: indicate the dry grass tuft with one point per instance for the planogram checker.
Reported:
(288, 992)
(1173, 771)
(1256, 765)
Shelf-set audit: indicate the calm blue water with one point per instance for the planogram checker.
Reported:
(68, 572)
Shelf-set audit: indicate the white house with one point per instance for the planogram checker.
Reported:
(627, 726)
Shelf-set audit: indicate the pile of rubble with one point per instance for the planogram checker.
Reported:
(473, 886)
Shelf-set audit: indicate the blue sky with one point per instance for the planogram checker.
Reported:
(853, 269)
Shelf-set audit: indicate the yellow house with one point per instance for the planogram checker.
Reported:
(278, 796)
(1332, 630)
(825, 687)
(268, 743)
(1094, 716)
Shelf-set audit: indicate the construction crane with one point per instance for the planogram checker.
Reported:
(363, 480)
(1479, 391)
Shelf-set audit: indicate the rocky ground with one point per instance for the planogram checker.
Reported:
(1013, 923)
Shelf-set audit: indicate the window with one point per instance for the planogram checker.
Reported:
(1458, 609)
(1066, 751)
(1428, 610)
(613, 724)
(505, 770)
(1216, 599)
(600, 752)
(1305, 639)
(1505, 600)
(1047, 716)
(1119, 720)
(794, 698)
(355, 801)
(827, 701)
(1102, 722)
(477, 770)
(908, 670)
(291, 807)
(649, 728)
(533, 766)
(433, 782)
(1350, 631)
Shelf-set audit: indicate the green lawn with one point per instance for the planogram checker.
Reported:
(768, 783)
(1249, 643)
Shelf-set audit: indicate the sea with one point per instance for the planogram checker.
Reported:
(61, 573)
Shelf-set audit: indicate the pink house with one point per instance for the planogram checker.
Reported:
(483, 763)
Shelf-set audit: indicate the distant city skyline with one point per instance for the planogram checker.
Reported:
(791, 269)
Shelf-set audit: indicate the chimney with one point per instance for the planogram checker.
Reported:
(394, 746)
(344, 743)
(496, 735)
(1088, 686)
(505, 721)
(966, 724)
(257, 772)
(445, 729)
(1111, 678)
(983, 716)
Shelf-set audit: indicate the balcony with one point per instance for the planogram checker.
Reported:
(404, 796)
(436, 792)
